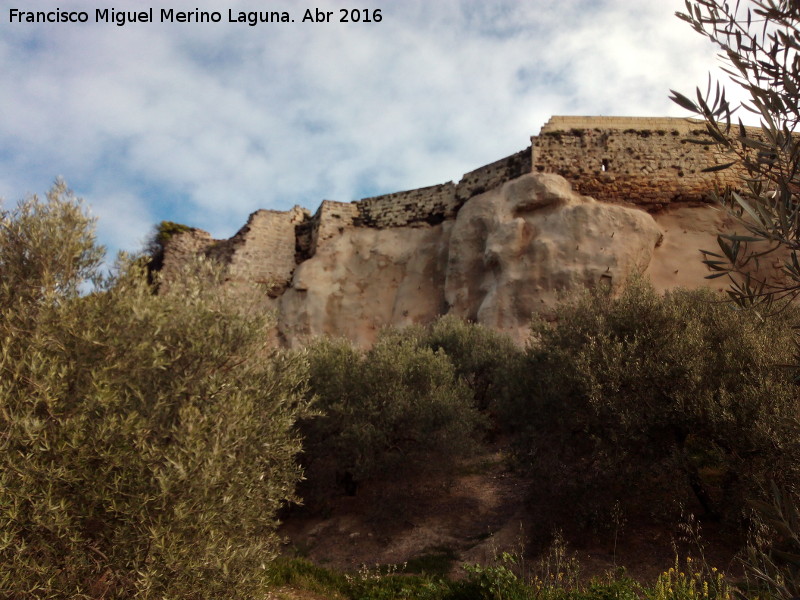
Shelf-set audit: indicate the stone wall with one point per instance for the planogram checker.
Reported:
(436, 203)
(645, 161)
(180, 248)
(494, 175)
(431, 204)
(329, 221)
(262, 252)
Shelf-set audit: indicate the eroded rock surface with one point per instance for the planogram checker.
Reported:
(364, 279)
(521, 247)
(509, 239)
(510, 251)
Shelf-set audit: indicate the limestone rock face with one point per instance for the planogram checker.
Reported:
(508, 239)
(510, 251)
(365, 279)
(502, 255)
(521, 247)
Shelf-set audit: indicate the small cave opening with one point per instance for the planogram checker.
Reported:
(434, 219)
(605, 165)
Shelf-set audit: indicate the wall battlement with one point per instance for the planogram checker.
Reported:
(434, 204)
(430, 205)
(645, 161)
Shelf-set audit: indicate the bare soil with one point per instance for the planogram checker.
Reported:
(485, 510)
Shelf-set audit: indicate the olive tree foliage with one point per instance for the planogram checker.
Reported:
(481, 356)
(399, 407)
(146, 441)
(47, 248)
(673, 399)
(759, 42)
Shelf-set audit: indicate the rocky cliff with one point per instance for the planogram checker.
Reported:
(509, 239)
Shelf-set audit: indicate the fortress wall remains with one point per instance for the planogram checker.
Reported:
(431, 205)
(330, 220)
(263, 251)
(494, 175)
(436, 203)
(646, 161)
(334, 218)
(181, 248)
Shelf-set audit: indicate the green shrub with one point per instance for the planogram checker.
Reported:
(146, 441)
(47, 249)
(500, 580)
(396, 409)
(675, 399)
(389, 583)
(494, 582)
(481, 356)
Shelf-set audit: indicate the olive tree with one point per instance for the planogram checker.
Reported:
(653, 401)
(146, 440)
(397, 408)
(47, 248)
(759, 42)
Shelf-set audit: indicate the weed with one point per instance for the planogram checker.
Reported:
(387, 583)
(438, 561)
(692, 584)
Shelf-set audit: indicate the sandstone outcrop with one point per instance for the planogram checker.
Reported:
(509, 239)
(525, 245)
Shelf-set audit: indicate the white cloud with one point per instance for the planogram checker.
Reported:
(206, 123)
(120, 216)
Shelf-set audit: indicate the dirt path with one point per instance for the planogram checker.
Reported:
(479, 511)
(485, 511)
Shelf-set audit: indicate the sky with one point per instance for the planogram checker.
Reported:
(204, 123)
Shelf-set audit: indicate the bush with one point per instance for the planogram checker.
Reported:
(47, 249)
(398, 408)
(674, 399)
(481, 356)
(146, 441)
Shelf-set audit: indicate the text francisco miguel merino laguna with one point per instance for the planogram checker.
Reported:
(169, 15)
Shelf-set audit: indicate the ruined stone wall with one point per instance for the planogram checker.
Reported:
(334, 217)
(494, 175)
(646, 161)
(431, 204)
(330, 220)
(263, 251)
(182, 247)
(436, 203)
